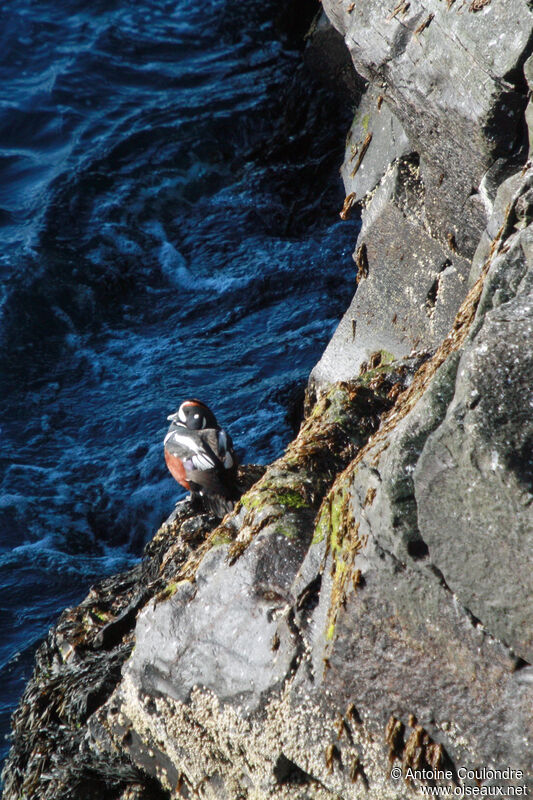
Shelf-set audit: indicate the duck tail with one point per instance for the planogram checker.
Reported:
(218, 505)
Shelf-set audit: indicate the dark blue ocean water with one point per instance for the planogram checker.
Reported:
(169, 226)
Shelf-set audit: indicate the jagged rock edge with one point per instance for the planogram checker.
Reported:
(463, 324)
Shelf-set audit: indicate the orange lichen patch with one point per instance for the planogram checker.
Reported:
(414, 754)
(349, 202)
(394, 738)
(418, 751)
(435, 755)
(369, 499)
(423, 25)
(362, 151)
(361, 262)
(394, 393)
(352, 714)
(401, 8)
(356, 772)
(375, 359)
(357, 578)
(452, 244)
(332, 754)
(477, 5)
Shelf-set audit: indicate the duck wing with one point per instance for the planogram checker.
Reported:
(208, 459)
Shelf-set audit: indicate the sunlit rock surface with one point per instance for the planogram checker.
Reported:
(439, 128)
(452, 74)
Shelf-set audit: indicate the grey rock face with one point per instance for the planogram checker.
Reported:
(435, 134)
(528, 72)
(434, 525)
(79, 666)
(375, 140)
(452, 78)
(403, 648)
(218, 634)
(410, 284)
(223, 649)
(437, 131)
(504, 198)
(474, 480)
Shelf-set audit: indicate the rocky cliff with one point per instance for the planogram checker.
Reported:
(366, 610)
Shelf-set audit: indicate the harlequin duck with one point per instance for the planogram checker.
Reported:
(200, 456)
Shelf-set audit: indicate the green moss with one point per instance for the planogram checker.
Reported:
(322, 527)
(291, 499)
(292, 462)
(337, 525)
(338, 400)
(333, 406)
(272, 494)
(319, 408)
(386, 357)
(365, 122)
(287, 531)
(337, 505)
(170, 589)
(384, 368)
(249, 500)
(331, 523)
(220, 538)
